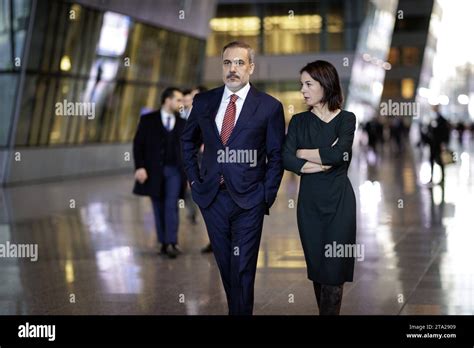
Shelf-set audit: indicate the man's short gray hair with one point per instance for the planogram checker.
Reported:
(241, 44)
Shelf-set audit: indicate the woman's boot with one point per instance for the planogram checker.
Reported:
(331, 299)
(317, 292)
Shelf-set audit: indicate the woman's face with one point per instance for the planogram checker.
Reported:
(311, 89)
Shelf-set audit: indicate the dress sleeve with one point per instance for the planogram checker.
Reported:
(339, 153)
(290, 161)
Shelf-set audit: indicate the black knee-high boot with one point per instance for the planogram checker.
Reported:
(331, 299)
(317, 292)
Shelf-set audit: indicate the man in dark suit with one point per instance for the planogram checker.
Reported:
(158, 166)
(242, 130)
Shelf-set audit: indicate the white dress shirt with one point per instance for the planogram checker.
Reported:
(187, 112)
(164, 116)
(242, 94)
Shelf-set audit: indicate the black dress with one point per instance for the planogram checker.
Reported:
(326, 210)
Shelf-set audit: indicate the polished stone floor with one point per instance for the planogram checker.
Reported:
(97, 247)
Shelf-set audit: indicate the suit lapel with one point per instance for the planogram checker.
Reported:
(158, 123)
(246, 114)
(214, 104)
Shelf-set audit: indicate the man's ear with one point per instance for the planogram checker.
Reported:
(252, 67)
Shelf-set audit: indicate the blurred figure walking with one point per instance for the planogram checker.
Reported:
(438, 138)
(159, 170)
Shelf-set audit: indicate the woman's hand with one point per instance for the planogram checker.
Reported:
(311, 155)
(311, 167)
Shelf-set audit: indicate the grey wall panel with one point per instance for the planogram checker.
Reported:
(3, 159)
(164, 13)
(42, 164)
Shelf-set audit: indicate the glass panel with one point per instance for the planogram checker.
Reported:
(232, 22)
(391, 89)
(335, 28)
(66, 108)
(48, 111)
(43, 19)
(88, 44)
(5, 37)
(292, 34)
(410, 56)
(408, 88)
(286, 27)
(7, 100)
(394, 56)
(59, 36)
(77, 95)
(13, 26)
(134, 98)
(93, 72)
(28, 112)
(21, 12)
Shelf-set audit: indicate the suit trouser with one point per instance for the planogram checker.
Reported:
(165, 208)
(190, 205)
(235, 234)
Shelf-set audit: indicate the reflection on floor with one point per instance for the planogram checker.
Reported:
(97, 250)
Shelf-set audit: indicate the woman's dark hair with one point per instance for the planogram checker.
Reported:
(326, 74)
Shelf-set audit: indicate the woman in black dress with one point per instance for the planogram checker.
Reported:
(318, 147)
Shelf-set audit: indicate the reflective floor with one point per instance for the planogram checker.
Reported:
(97, 251)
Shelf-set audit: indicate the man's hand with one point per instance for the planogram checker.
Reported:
(141, 175)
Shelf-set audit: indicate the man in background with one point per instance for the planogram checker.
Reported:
(189, 95)
(439, 136)
(158, 166)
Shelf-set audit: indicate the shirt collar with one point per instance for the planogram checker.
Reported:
(241, 93)
(165, 114)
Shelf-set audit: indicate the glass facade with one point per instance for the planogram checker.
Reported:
(13, 26)
(296, 27)
(370, 65)
(286, 28)
(407, 56)
(90, 74)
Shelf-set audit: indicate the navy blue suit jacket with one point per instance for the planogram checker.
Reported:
(260, 128)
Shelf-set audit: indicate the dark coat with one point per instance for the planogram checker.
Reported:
(260, 128)
(149, 153)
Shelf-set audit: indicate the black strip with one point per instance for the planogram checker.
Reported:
(291, 330)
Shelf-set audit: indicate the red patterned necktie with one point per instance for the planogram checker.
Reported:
(228, 123)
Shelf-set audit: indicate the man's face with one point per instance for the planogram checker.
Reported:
(176, 102)
(188, 100)
(236, 68)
